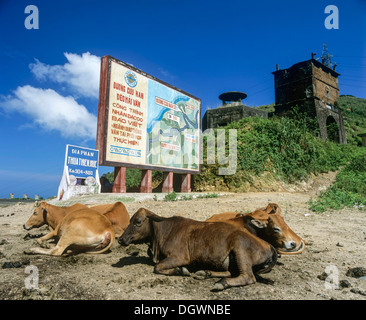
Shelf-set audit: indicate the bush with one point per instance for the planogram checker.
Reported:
(283, 148)
(349, 189)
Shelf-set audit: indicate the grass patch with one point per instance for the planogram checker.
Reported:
(349, 189)
(283, 149)
(125, 199)
(173, 196)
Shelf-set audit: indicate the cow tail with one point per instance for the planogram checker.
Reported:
(109, 237)
(268, 264)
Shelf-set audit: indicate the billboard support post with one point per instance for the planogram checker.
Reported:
(119, 185)
(146, 181)
(186, 183)
(168, 182)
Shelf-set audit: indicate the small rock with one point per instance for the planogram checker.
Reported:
(339, 244)
(356, 290)
(8, 265)
(4, 241)
(356, 272)
(16, 264)
(323, 276)
(344, 284)
(132, 250)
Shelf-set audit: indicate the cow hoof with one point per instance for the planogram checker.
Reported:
(184, 271)
(219, 286)
(28, 252)
(45, 245)
(201, 275)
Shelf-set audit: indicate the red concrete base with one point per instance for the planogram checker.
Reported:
(186, 183)
(146, 181)
(119, 185)
(168, 182)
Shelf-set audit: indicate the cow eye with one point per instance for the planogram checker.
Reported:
(277, 229)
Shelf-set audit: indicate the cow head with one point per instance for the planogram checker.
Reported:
(271, 227)
(139, 229)
(38, 217)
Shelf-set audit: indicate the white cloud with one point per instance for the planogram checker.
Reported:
(52, 111)
(80, 73)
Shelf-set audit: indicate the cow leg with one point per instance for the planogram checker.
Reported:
(61, 246)
(204, 274)
(48, 236)
(245, 277)
(170, 267)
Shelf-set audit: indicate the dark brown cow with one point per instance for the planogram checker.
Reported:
(268, 224)
(179, 242)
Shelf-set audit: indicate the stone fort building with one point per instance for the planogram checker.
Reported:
(310, 85)
(313, 88)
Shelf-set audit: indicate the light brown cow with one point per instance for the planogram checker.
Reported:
(83, 230)
(227, 251)
(46, 213)
(268, 224)
(50, 215)
(117, 215)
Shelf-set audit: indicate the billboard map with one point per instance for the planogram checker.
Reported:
(146, 123)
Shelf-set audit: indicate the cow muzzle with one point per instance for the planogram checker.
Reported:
(294, 250)
(123, 241)
(25, 227)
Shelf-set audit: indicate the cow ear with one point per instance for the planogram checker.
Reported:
(155, 217)
(258, 224)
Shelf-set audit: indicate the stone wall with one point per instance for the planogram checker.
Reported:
(222, 116)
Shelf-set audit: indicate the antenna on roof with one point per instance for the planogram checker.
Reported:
(326, 57)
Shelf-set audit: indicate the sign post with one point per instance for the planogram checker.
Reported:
(80, 175)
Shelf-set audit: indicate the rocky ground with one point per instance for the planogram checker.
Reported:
(325, 270)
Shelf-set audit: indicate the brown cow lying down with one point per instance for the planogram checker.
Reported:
(268, 224)
(220, 247)
(46, 213)
(85, 230)
(50, 215)
(117, 215)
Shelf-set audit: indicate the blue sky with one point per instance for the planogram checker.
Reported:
(49, 78)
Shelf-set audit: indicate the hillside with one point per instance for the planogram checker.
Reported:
(354, 114)
(273, 154)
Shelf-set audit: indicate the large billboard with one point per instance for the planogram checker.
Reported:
(146, 123)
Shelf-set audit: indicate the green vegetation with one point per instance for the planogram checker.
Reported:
(133, 178)
(125, 199)
(354, 114)
(173, 196)
(277, 148)
(268, 108)
(349, 189)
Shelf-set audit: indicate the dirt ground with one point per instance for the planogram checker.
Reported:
(337, 243)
